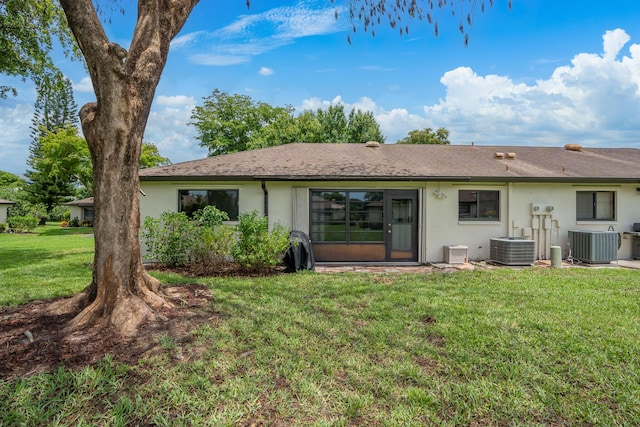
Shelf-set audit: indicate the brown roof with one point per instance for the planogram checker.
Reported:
(82, 202)
(411, 162)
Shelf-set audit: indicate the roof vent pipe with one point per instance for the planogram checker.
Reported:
(372, 144)
(498, 155)
(573, 147)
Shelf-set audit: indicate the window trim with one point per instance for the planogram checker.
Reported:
(480, 219)
(593, 218)
(235, 190)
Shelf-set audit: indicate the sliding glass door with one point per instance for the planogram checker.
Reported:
(364, 225)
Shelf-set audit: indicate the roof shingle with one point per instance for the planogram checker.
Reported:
(303, 161)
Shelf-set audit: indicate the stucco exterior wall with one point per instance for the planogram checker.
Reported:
(162, 196)
(3, 213)
(517, 219)
(439, 223)
(75, 212)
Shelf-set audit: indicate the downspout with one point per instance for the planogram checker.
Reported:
(266, 198)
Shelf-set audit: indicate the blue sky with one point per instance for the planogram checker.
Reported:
(544, 73)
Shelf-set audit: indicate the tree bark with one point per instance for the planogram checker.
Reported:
(121, 292)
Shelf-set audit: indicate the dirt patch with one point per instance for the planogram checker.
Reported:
(218, 270)
(32, 340)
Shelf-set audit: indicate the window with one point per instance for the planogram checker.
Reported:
(87, 214)
(347, 216)
(595, 205)
(193, 200)
(479, 205)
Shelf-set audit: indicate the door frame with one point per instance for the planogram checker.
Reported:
(389, 197)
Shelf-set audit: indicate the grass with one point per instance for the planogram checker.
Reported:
(48, 263)
(497, 347)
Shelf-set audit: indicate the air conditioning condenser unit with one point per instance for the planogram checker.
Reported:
(512, 251)
(594, 247)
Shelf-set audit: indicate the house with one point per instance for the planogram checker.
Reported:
(81, 209)
(407, 203)
(4, 206)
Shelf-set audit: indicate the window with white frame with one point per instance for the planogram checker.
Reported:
(595, 205)
(190, 201)
(479, 205)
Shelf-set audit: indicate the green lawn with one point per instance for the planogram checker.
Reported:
(498, 347)
(48, 263)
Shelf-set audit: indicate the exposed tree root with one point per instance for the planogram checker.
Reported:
(131, 309)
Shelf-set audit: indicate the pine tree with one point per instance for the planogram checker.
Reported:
(55, 111)
(55, 108)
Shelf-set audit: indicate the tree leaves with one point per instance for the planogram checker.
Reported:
(427, 136)
(372, 13)
(230, 123)
(28, 31)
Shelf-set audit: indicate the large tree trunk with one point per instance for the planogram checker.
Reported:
(121, 292)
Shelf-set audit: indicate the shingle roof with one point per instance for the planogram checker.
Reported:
(82, 202)
(410, 162)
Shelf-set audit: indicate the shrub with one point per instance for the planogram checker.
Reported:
(169, 239)
(3, 228)
(257, 247)
(210, 216)
(86, 223)
(22, 223)
(64, 224)
(60, 213)
(212, 246)
(213, 241)
(75, 222)
(176, 241)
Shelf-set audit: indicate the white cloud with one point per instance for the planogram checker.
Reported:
(265, 71)
(186, 39)
(167, 128)
(14, 136)
(84, 85)
(613, 42)
(218, 60)
(176, 101)
(252, 35)
(595, 100)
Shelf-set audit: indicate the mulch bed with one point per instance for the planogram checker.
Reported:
(32, 340)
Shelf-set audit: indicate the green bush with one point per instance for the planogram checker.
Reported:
(210, 216)
(257, 247)
(75, 222)
(212, 246)
(175, 240)
(169, 239)
(22, 223)
(3, 228)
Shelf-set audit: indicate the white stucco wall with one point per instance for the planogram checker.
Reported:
(162, 197)
(440, 225)
(516, 199)
(75, 212)
(3, 213)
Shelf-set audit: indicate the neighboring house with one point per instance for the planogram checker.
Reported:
(405, 203)
(81, 209)
(4, 205)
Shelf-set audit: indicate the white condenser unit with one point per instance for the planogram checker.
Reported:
(594, 247)
(512, 251)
